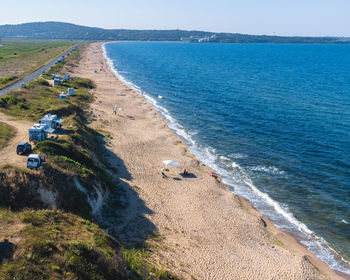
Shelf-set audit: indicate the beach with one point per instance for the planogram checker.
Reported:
(205, 232)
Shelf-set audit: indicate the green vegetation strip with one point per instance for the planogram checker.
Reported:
(22, 48)
(6, 133)
(7, 80)
(20, 54)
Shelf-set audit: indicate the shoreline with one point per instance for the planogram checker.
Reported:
(299, 231)
(260, 223)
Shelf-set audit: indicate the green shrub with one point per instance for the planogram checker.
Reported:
(79, 83)
(7, 80)
(81, 259)
(76, 202)
(135, 260)
(44, 248)
(42, 82)
(9, 100)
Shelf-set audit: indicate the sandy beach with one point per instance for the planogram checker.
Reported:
(205, 231)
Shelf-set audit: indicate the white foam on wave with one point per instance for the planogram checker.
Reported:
(267, 169)
(238, 155)
(235, 176)
(345, 222)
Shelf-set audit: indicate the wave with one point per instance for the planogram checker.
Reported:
(237, 178)
(267, 169)
(238, 155)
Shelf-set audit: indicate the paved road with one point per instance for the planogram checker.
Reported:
(34, 75)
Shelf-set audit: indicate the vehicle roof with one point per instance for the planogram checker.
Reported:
(34, 156)
(23, 143)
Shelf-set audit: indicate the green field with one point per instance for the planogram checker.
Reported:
(6, 132)
(18, 58)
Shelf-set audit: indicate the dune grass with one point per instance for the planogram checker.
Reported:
(6, 133)
(57, 245)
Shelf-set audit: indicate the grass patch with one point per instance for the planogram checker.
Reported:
(18, 58)
(279, 243)
(6, 133)
(6, 217)
(37, 99)
(57, 245)
(139, 268)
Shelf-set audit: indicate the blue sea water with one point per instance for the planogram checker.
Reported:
(273, 120)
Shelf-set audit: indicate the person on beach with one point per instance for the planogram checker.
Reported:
(163, 175)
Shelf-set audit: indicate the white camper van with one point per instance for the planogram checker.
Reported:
(36, 161)
(52, 122)
(63, 96)
(38, 132)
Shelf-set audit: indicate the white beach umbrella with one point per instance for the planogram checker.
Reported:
(171, 163)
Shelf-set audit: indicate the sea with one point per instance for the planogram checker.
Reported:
(272, 119)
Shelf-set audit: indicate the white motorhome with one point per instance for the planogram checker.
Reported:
(52, 122)
(38, 132)
(57, 81)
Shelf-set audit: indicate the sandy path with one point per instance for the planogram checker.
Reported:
(8, 154)
(208, 232)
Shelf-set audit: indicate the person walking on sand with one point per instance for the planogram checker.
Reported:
(115, 109)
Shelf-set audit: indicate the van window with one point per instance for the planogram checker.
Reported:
(30, 160)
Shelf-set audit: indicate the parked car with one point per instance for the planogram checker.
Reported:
(23, 148)
(36, 161)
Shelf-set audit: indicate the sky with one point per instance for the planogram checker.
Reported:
(270, 17)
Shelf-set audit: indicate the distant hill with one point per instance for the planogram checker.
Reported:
(68, 31)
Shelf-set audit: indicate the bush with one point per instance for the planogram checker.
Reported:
(75, 201)
(81, 259)
(79, 83)
(42, 82)
(7, 80)
(9, 100)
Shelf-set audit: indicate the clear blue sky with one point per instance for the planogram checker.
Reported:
(280, 17)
